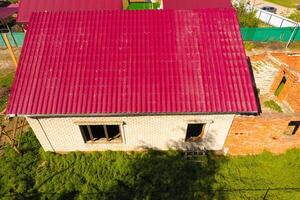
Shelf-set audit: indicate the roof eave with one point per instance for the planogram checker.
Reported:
(131, 114)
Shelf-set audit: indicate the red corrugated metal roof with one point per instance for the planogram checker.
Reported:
(196, 4)
(133, 62)
(29, 6)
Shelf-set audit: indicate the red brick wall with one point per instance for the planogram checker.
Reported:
(291, 90)
(254, 134)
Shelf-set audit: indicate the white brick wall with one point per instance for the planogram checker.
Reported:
(62, 134)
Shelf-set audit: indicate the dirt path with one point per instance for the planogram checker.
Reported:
(5, 59)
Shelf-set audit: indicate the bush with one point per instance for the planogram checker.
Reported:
(246, 17)
(249, 46)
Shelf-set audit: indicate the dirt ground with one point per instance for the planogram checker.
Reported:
(7, 72)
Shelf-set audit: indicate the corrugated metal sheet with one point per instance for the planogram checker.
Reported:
(29, 6)
(130, 62)
(195, 4)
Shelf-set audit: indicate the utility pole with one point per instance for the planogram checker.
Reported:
(11, 52)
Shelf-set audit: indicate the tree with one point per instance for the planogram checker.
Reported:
(246, 15)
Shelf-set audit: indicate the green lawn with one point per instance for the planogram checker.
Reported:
(143, 6)
(148, 175)
(286, 3)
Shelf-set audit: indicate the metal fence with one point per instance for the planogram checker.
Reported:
(15, 39)
(274, 19)
(271, 34)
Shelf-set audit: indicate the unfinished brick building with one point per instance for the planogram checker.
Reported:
(278, 78)
(286, 85)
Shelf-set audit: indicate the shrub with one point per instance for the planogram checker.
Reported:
(246, 17)
(249, 46)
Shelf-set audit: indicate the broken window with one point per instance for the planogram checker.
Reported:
(280, 86)
(104, 133)
(292, 128)
(195, 132)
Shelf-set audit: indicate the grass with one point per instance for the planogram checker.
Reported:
(262, 24)
(249, 45)
(3, 102)
(279, 89)
(273, 105)
(35, 174)
(143, 6)
(5, 83)
(285, 3)
(6, 80)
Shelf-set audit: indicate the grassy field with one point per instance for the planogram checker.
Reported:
(35, 174)
(286, 3)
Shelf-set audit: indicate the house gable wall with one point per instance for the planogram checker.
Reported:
(62, 134)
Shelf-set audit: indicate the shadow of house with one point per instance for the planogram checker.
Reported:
(118, 175)
(109, 175)
(158, 175)
(207, 142)
(255, 88)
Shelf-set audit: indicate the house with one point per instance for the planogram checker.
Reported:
(121, 80)
(8, 11)
(29, 6)
(195, 4)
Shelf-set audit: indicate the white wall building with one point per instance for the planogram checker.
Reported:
(61, 134)
(121, 80)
